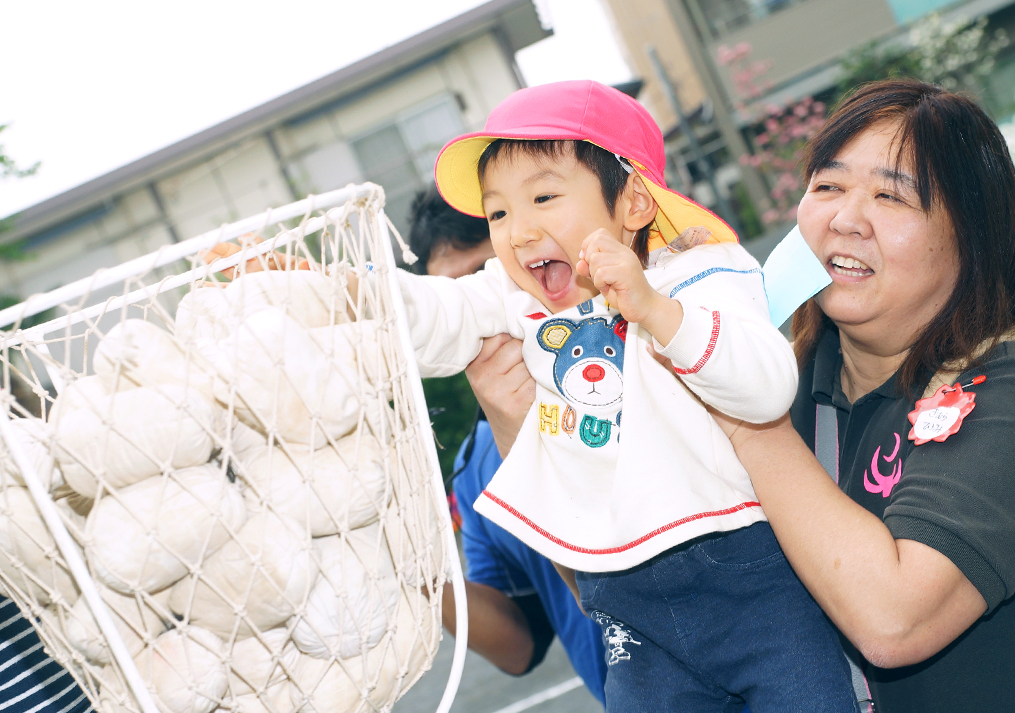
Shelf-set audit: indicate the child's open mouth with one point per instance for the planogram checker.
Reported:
(554, 276)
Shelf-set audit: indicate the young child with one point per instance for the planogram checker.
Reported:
(619, 472)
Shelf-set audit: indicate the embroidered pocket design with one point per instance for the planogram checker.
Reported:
(616, 637)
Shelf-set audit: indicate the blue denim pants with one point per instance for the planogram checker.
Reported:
(713, 625)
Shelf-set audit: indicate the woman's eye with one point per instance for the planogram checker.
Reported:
(496, 215)
(543, 199)
(889, 196)
(823, 187)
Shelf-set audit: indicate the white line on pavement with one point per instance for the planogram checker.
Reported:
(549, 694)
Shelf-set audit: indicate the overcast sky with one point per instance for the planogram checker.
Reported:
(90, 86)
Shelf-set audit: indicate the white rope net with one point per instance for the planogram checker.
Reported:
(239, 466)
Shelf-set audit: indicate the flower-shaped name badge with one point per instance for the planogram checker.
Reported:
(939, 416)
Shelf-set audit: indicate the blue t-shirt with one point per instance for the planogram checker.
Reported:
(499, 560)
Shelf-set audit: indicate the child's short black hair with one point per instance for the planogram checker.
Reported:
(603, 164)
(434, 222)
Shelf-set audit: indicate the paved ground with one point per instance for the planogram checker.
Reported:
(485, 689)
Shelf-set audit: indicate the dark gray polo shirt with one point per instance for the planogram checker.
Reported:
(957, 497)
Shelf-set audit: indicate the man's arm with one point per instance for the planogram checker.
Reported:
(498, 629)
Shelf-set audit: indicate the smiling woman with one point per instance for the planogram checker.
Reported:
(908, 547)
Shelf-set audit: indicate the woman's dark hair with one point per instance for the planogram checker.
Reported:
(961, 163)
(603, 164)
(433, 222)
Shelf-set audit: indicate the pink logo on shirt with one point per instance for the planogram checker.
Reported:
(883, 483)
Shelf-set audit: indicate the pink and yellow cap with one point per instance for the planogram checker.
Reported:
(583, 111)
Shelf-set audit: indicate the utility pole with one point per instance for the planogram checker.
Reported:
(692, 29)
(699, 156)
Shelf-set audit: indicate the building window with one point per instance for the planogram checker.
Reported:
(400, 155)
(726, 16)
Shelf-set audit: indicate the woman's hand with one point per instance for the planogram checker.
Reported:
(503, 386)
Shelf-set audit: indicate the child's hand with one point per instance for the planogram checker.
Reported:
(269, 261)
(617, 272)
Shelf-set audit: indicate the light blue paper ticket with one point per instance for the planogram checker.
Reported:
(793, 274)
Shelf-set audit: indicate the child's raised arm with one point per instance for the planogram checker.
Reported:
(726, 350)
(448, 319)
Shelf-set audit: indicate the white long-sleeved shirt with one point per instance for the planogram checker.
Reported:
(617, 460)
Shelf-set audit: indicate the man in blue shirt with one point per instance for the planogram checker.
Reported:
(517, 601)
(500, 561)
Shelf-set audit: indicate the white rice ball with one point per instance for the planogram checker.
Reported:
(261, 662)
(385, 672)
(257, 580)
(354, 600)
(276, 699)
(32, 435)
(335, 488)
(128, 436)
(150, 534)
(185, 670)
(311, 298)
(28, 553)
(139, 353)
(414, 537)
(136, 621)
(288, 383)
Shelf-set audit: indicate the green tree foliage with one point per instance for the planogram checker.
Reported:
(11, 252)
(956, 54)
(9, 168)
(452, 413)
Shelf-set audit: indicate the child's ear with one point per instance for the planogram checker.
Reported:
(639, 206)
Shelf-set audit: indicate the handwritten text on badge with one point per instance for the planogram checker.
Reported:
(931, 424)
(939, 416)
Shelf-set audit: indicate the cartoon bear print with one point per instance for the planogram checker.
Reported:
(588, 368)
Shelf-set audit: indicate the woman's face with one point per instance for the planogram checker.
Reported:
(893, 265)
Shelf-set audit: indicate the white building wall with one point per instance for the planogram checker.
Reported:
(329, 148)
(131, 227)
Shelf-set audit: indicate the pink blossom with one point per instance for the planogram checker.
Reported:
(770, 216)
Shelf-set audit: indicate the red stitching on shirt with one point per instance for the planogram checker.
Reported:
(629, 545)
(708, 350)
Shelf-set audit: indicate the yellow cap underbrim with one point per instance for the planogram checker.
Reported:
(677, 213)
(457, 174)
(457, 178)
